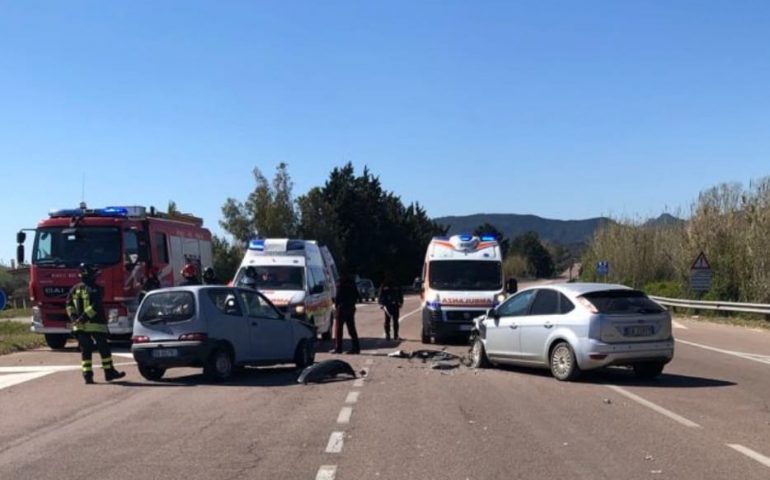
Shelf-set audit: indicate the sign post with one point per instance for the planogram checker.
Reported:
(3, 299)
(701, 275)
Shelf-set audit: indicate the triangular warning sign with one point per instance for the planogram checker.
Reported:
(701, 263)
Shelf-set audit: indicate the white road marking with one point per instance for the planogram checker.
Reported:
(123, 355)
(336, 439)
(755, 357)
(40, 368)
(10, 380)
(678, 325)
(344, 416)
(352, 397)
(750, 453)
(358, 382)
(326, 472)
(410, 314)
(652, 406)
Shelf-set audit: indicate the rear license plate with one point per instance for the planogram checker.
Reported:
(639, 331)
(466, 327)
(165, 353)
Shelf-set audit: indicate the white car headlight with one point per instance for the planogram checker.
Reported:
(299, 309)
(500, 298)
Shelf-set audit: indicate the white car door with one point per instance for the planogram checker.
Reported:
(270, 333)
(502, 335)
(537, 325)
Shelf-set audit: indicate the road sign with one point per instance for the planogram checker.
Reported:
(603, 268)
(2, 300)
(701, 275)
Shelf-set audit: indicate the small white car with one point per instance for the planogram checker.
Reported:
(216, 328)
(572, 327)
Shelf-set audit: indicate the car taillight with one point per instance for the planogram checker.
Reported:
(140, 339)
(193, 337)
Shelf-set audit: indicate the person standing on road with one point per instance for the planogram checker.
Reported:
(89, 325)
(391, 299)
(152, 282)
(209, 278)
(345, 302)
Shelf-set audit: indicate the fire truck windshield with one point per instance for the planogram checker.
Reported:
(68, 247)
(465, 275)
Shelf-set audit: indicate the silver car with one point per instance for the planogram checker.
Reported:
(575, 326)
(216, 328)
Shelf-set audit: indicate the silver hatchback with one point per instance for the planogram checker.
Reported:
(576, 326)
(216, 328)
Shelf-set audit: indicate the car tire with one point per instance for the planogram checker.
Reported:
(648, 370)
(219, 366)
(304, 355)
(563, 363)
(150, 372)
(56, 341)
(478, 354)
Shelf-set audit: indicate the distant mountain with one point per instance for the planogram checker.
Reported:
(664, 220)
(562, 232)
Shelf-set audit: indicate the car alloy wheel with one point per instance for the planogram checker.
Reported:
(478, 355)
(563, 363)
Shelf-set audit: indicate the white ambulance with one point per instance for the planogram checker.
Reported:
(294, 276)
(462, 278)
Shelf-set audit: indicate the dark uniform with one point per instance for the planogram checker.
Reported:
(209, 277)
(89, 325)
(152, 282)
(392, 299)
(345, 303)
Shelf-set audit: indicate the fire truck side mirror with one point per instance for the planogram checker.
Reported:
(21, 237)
(20, 254)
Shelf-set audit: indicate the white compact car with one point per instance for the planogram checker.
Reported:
(575, 326)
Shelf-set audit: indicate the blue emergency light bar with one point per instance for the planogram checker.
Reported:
(258, 244)
(97, 212)
(112, 212)
(488, 238)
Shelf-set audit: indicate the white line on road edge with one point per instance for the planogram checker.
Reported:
(673, 416)
(750, 453)
(12, 379)
(336, 439)
(678, 325)
(409, 314)
(326, 472)
(344, 416)
(755, 357)
(352, 397)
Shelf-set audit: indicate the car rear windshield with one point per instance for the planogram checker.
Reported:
(622, 301)
(167, 307)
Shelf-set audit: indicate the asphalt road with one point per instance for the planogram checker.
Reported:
(707, 417)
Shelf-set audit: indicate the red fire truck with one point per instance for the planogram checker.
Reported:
(124, 243)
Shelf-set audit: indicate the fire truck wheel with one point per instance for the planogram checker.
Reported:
(56, 341)
(150, 372)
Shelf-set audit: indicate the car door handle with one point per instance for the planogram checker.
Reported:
(513, 326)
(548, 324)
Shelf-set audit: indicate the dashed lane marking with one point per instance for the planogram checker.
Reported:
(344, 416)
(352, 397)
(754, 357)
(655, 407)
(326, 472)
(9, 380)
(751, 454)
(336, 440)
(358, 382)
(10, 376)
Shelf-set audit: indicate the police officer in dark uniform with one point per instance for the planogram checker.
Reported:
(89, 325)
(209, 278)
(391, 299)
(345, 302)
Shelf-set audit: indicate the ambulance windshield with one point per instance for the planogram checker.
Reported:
(68, 247)
(272, 277)
(466, 275)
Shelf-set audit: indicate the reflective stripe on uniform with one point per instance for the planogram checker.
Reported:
(86, 365)
(90, 327)
(107, 363)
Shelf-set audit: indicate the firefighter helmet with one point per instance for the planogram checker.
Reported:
(189, 271)
(87, 271)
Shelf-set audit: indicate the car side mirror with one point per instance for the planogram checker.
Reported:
(493, 314)
(21, 237)
(20, 254)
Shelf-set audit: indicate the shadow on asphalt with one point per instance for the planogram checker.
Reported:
(244, 377)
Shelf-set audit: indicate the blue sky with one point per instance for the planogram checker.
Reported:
(561, 109)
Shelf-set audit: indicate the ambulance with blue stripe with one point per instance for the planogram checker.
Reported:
(296, 275)
(462, 278)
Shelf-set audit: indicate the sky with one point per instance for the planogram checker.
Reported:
(562, 109)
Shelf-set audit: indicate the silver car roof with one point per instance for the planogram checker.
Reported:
(577, 289)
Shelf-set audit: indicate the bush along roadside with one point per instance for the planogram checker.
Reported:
(16, 337)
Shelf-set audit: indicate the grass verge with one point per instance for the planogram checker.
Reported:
(15, 337)
(15, 312)
(734, 321)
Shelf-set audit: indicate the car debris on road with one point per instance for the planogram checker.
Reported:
(325, 371)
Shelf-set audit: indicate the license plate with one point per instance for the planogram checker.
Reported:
(466, 327)
(165, 353)
(639, 331)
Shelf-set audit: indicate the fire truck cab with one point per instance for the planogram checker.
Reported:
(124, 243)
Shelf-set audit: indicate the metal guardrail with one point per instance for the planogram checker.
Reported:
(759, 308)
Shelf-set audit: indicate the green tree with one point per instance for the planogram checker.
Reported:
(488, 229)
(538, 258)
(227, 258)
(269, 210)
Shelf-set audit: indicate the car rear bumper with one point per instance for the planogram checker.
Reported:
(595, 354)
(172, 354)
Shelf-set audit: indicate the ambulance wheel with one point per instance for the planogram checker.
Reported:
(56, 341)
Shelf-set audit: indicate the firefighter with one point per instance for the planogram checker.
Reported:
(391, 299)
(209, 278)
(347, 294)
(89, 325)
(152, 282)
(189, 275)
